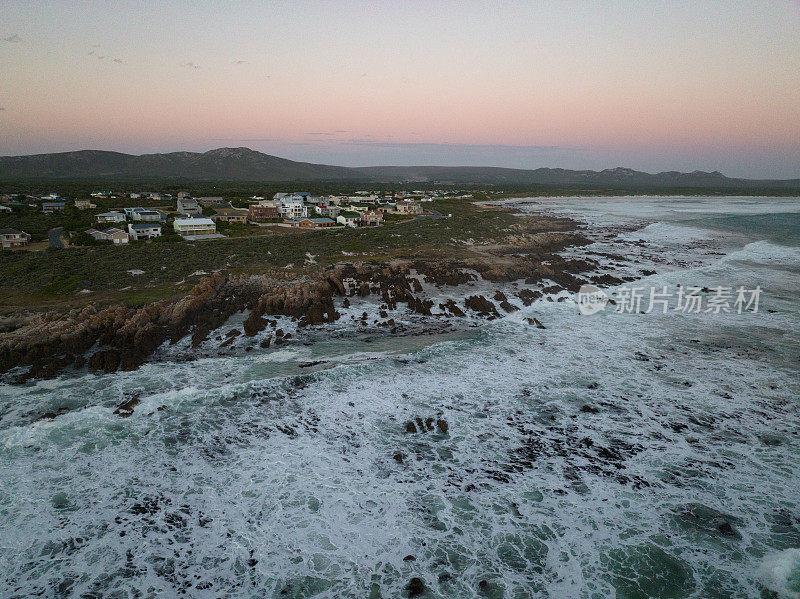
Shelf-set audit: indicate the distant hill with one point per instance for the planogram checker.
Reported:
(243, 164)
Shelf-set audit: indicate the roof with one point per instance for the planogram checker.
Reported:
(53, 203)
(10, 232)
(145, 225)
(318, 221)
(112, 213)
(194, 221)
(114, 231)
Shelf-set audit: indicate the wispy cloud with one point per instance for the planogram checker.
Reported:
(239, 62)
(190, 65)
(119, 61)
(13, 39)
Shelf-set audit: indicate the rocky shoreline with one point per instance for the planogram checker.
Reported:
(45, 345)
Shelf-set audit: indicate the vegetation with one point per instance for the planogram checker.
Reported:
(55, 276)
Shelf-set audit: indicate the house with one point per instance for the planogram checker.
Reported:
(135, 196)
(372, 218)
(184, 194)
(144, 230)
(194, 226)
(49, 207)
(312, 223)
(231, 215)
(210, 201)
(4, 208)
(52, 197)
(145, 214)
(112, 234)
(110, 217)
(292, 209)
(189, 207)
(406, 207)
(329, 211)
(263, 211)
(84, 204)
(349, 219)
(11, 238)
(360, 208)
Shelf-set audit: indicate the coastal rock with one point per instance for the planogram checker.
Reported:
(482, 306)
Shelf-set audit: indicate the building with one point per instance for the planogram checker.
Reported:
(144, 230)
(263, 211)
(12, 238)
(329, 211)
(293, 209)
(110, 217)
(406, 207)
(231, 215)
(210, 201)
(112, 234)
(372, 218)
(49, 207)
(194, 226)
(312, 223)
(146, 214)
(189, 207)
(349, 219)
(84, 204)
(184, 194)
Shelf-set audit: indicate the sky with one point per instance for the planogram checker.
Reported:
(654, 86)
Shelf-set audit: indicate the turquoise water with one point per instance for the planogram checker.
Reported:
(614, 455)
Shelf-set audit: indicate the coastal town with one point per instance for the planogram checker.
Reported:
(185, 217)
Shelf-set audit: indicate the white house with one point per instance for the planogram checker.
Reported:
(349, 219)
(10, 238)
(292, 208)
(189, 207)
(110, 217)
(112, 234)
(144, 230)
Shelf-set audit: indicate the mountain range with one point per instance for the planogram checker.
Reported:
(244, 164)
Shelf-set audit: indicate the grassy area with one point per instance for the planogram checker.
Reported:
(56, 276)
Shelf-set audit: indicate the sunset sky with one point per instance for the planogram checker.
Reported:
(648, 85)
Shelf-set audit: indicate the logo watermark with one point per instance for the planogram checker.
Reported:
(684, 299)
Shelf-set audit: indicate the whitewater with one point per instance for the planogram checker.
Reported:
(613, 455)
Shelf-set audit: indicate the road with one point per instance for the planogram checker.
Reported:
(55, 237)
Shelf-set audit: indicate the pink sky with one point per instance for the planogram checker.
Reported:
(712, 85)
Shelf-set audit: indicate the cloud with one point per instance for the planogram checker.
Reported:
(239, 62)
(190, 65)
(13, 39)
(119, 61)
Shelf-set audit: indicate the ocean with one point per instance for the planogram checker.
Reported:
(619, 454)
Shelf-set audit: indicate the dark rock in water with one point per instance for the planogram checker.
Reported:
(415, 587)
(409, 558)
(709, 520)
(499, 296)
(587, 409)
(444, 577)
(384, 313)
(535, 322)
(592, 386)
(483, 585)
(508, 307)
(266, 343)
(528, 296)
(442, 424)
(452, 307)
(411, 427)
(310, 364)
(80, 362)
(481, 305)
(125, 409)
(346, 303)
(398, 457)
(233, 333)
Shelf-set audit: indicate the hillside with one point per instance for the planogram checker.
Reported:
(243, 164)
